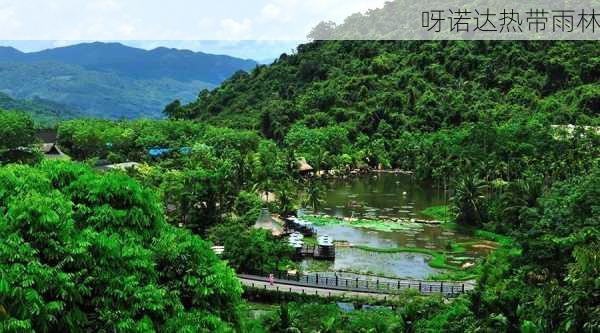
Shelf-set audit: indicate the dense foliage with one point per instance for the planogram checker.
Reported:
(553, 284)
(88, 252)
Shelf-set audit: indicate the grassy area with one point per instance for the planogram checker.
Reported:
(488, 235)
(439, 213)
(318, 266)
(256, 310)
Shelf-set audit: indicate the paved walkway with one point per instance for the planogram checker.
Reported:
(291, 286)
(286, 288)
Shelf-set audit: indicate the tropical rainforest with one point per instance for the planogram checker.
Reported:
(510, 128)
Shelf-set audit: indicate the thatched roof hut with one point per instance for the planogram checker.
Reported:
(303, 166)
(52, 151)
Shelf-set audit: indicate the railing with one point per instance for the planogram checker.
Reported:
(388, 286)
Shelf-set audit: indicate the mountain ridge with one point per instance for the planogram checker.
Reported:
(158, 63)
(111, 80)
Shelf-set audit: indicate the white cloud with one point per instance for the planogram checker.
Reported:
(127, 30)
(177, 20)
(9, 19)
(271, 11)
(104, 5)
(232, 29)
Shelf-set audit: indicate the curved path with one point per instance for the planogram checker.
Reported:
(341, 287)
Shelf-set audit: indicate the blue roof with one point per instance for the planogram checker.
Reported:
(157, 152)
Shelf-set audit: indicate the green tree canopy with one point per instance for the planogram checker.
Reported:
(16, 130)
(90, 252)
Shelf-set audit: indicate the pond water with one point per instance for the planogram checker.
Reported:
(380, 196)
(407, 265)
(432, 237)
(393, 198)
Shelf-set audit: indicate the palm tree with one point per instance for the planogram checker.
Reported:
(468, 200)
(522, 194)
(314, 194)
(320, 156)
(285, 199)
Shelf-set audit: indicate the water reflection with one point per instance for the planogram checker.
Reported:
(381, 196)
(384, 264)
(423, 236)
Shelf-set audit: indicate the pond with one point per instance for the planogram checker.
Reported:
(360, 262)
(380, 196)
(395, 199)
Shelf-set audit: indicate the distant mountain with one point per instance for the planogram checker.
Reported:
(160, 63)
(10, 54)
(110, 80)
(45, 113)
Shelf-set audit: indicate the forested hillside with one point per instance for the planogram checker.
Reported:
(44, 113)
(96, 94)
(111, 80)
(411, 85)
(392, 98)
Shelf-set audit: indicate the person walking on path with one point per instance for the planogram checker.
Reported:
(271, 279)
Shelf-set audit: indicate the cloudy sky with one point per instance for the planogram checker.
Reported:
(273, 26)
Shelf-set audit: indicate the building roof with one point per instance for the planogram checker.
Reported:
(218, 250)
(303, 166)
(158, 152)
(52, 151)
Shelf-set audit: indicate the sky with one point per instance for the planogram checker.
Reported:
(257, 29)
